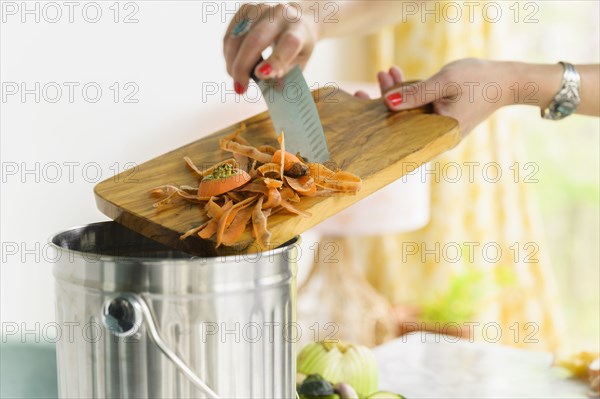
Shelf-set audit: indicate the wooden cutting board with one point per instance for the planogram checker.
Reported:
(363, 137)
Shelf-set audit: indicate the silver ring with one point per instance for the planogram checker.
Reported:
(241, 28)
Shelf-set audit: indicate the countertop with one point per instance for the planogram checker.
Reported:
(424, 365)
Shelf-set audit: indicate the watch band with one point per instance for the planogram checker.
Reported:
(567, 99)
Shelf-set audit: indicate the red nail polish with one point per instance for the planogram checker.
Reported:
(239, 89)
(265, 70)
(395, 99)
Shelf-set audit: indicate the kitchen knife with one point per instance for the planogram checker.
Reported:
(293, 111)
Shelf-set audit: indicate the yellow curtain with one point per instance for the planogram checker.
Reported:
(489, 213)
(512, 294)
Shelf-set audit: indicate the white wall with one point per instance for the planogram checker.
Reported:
(170, 54)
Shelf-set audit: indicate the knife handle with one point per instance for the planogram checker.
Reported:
(252, 74)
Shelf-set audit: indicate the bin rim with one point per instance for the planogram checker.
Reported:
(150, 260)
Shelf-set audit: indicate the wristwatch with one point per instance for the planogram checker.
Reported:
(567, 99)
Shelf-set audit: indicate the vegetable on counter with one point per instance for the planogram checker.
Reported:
(345, 391)
(385, 395)
(338, 370)
(578, 363)
(340, 362)
(586, 366)
(315, 386)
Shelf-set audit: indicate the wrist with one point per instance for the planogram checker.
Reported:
(506, 76)
(517, 82)
(312, 24)
(537, 83)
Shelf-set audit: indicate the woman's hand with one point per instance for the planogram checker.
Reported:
(255, 27)
(468, 90)
(387, 81)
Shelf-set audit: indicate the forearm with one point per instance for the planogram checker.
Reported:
(342, 18)
(590, 95)
(538, 84)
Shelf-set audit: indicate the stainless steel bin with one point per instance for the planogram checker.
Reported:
(140, 320)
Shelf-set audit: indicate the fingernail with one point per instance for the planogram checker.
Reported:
(265, 70)
(239, 89)
(395, 99)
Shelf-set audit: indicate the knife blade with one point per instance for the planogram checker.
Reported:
(293, 111)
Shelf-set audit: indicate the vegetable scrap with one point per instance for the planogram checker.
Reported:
(586, 366)
(242, 192)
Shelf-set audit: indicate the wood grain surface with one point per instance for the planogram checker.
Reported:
(363, 137)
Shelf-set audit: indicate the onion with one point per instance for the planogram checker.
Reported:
(340, 362)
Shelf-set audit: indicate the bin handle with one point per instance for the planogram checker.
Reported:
(139, 305)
